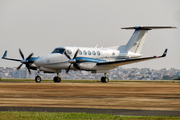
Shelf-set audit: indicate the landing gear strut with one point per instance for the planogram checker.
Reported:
(104, 79)
(57, 79)
(38, 78)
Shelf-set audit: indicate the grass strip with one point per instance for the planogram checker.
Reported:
(93, 81)
(14, 115)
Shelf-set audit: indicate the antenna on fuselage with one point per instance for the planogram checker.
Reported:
(96, 46)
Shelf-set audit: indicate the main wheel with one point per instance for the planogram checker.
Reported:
(38, 79)
(104, 79)
(57, 79)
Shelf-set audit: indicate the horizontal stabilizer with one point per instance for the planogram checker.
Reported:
(148, 27)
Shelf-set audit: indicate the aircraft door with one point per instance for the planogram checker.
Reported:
(106, 54)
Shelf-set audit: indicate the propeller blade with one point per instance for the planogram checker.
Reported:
(29, 56)
(21, 53)
(29, 71)
(19, 66)
(76, 66)
(67, 55)
(76, 54)
(68, 68)
(27, 65)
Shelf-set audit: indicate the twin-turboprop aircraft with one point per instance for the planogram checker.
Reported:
(94, 59)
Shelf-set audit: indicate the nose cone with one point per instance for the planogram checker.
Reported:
(47, 60)
(38, 62)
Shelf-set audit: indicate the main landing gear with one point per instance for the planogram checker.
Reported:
(57, 79)
(104, 79)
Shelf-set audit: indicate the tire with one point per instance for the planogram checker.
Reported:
(38, 79)
(104, 79)
(57, 79)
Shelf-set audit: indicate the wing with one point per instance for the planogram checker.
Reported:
(129, 61)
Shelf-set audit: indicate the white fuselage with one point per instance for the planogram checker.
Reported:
(56, 61)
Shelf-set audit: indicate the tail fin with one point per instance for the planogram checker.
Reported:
(136, 41)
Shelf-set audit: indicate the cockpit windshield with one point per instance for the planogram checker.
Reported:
(59, 50)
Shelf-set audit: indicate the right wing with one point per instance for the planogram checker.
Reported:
(129, 61)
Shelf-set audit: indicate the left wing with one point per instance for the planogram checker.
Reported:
(129, 61)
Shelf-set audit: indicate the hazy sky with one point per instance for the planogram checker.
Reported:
(39, 26)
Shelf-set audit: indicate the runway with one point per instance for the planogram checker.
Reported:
(133, 99)
(119, 112)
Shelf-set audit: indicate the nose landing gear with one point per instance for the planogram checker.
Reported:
(38, 78)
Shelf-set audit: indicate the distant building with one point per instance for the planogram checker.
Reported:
(22, 73)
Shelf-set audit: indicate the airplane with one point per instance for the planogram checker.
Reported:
(94, 59)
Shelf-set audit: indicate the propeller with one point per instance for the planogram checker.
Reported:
(25, 61)
(72, 61)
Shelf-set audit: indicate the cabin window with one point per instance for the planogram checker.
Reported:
(59, 50)
(93, 52)
(98, 53)
(69, 52)
(89, 52)
(80, 52)
(113, 53)
(84, 52)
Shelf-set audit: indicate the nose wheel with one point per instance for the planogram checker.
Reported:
(104, 79)
(38, 79)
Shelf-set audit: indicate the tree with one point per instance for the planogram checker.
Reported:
(178, 78)
(167, 77)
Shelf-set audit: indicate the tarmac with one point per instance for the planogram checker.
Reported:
(119, 112)
(124, 99)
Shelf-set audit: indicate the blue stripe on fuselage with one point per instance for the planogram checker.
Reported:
(85, 59)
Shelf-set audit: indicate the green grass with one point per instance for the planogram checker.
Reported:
(92, 81)
(10, 115)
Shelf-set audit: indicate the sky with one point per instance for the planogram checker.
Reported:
(39, 26)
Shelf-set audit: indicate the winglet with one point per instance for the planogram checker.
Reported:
(164, 54)
(5, 54)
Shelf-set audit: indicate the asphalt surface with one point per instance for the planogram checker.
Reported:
(123, 99)
(120, 112)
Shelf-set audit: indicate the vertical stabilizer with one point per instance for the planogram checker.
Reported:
(136, 41)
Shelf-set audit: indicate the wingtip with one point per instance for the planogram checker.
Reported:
(5, 54)
(165, 53)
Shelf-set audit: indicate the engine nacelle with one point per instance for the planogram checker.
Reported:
(86, 66)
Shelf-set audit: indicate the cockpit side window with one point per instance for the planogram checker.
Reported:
(59, 50)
